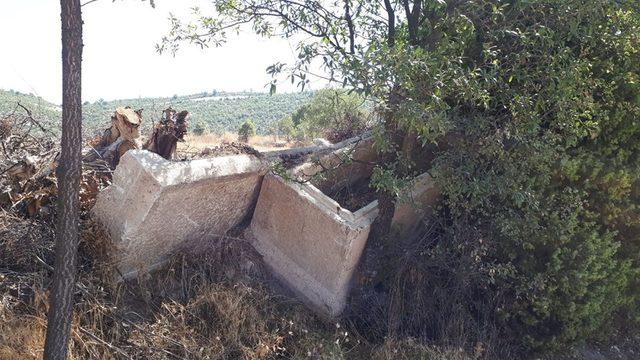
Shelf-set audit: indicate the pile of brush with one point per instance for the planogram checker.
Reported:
(29, 150)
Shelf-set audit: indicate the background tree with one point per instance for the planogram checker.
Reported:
(298, 114)
(199, 128)
(334, 114)
(286, 127)
(68, 174)
(246, 130)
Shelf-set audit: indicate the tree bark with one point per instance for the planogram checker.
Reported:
(68, 173)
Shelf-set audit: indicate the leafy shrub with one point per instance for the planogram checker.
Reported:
(199, 128)
(246, 130)
(529, 111)
(544, 166)
(286, 127)
(333, 114)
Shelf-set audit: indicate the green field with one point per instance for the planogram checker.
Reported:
(217, 111)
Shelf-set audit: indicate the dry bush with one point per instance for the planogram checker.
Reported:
(195, 143)
(434, 288)
(21, 337)
(216, 304)
(435, 291)
(410, 349)
(25, 243)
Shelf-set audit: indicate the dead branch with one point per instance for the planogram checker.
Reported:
(166, 134)
(30, 117)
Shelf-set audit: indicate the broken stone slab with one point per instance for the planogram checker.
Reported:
(415, 205)
(309, 241)
(154, 206)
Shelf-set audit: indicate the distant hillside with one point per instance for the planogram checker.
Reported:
(38, 106)
(217, 111)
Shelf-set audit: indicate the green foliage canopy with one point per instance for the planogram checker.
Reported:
(332, 114)
(539, 104)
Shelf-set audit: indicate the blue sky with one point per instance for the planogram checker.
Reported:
(120, 60)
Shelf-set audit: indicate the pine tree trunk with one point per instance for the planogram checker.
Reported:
(68, 173)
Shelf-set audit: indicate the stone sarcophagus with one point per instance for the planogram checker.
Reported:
(309, 242)
(155, 206)
(313, 242)
(310, 232)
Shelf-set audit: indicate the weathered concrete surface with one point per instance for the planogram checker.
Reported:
(154, 206)
(350, 163)
(309, 241)
(415, 205)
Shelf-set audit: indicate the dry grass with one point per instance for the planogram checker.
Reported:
(21, 338)
(219, 304)
(196, 143)
(410, 349)
(216, 305)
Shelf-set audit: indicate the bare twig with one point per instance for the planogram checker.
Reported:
(30, 117)
(88, 2)
(108, 345)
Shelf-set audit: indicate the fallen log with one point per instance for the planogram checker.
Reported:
(296, 156)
